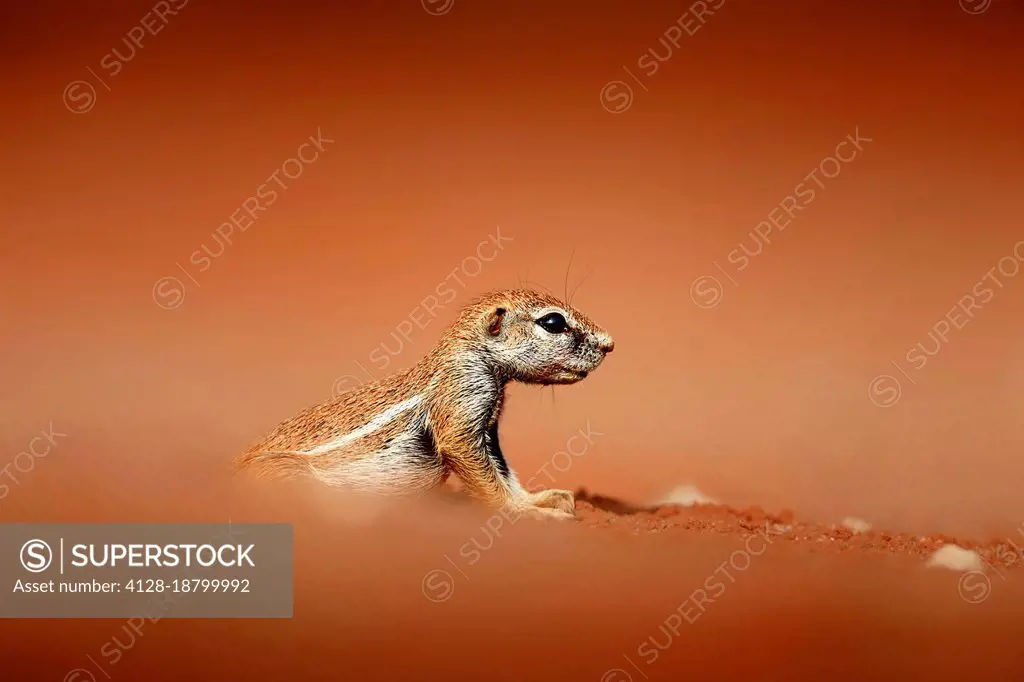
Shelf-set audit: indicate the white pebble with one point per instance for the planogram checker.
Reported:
(956, 559)
(856, 525)
(687, 496)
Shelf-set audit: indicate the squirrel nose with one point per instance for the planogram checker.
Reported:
(605, 343)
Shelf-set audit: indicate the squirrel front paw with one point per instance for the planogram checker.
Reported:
(557, 500)
(546, 513)
(545, 504)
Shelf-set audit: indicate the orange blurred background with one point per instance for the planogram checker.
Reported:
(449, 121)
(449, 126)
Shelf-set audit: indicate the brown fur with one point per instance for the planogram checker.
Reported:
(461, 385)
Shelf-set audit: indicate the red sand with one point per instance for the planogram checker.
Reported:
(603, 512)
(443, 589)
(491, 115)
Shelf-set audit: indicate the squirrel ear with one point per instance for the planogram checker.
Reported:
(494, 321)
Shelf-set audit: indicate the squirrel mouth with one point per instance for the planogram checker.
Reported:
(565, 376)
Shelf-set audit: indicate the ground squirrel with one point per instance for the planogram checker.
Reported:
(412, 430)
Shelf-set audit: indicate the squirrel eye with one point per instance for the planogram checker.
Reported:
(553, 323)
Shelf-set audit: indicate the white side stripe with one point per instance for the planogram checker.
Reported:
(371, 426)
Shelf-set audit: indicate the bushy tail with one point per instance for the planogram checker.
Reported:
(275, 463)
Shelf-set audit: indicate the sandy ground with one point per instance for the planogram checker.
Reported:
(598, 511)
(446, 127)
(442, 588)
